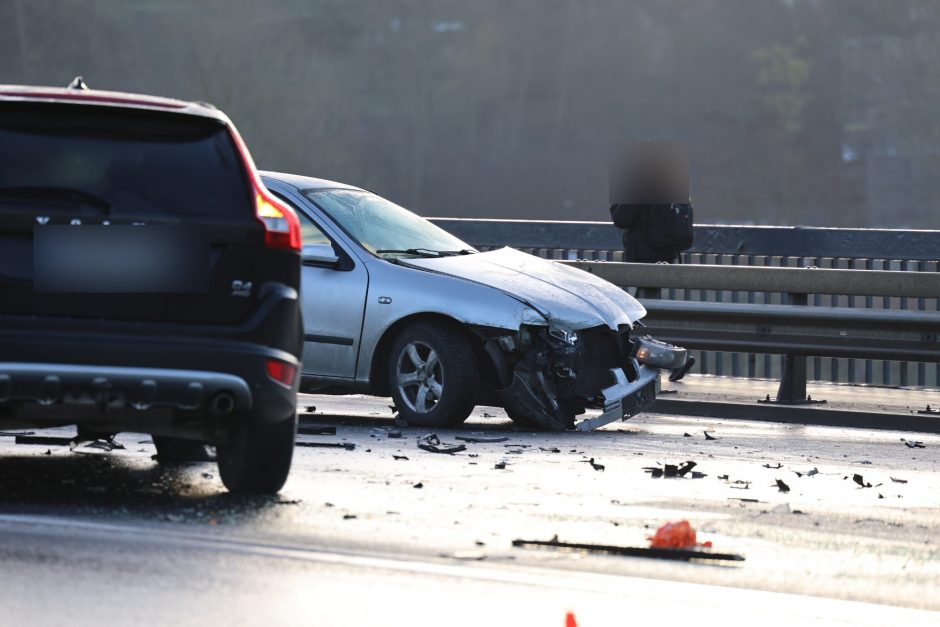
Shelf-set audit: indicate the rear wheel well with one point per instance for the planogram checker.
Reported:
(377, 373)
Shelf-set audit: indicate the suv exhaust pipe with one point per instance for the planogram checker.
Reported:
(222, 404)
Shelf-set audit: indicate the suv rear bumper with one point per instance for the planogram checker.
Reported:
(117, 387)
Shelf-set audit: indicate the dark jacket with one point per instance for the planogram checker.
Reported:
(635, 222)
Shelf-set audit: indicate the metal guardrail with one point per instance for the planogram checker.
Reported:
(753, 250)
(794, 330)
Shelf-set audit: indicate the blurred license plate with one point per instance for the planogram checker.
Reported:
(120, 259)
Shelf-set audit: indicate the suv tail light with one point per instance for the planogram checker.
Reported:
(281, 224)
(281, 372)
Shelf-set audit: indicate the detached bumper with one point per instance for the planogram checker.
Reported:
(625, 398)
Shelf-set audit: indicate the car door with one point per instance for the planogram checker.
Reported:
(333, 297)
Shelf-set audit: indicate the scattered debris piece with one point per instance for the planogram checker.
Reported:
(914, 444)
(418, 485)
(655, 473)
(777, 467)
(687, 435)
(349, 446)
(783, 487)
(708, 436)
(349, 516)
(102, 444)
(311, 408)
(723, 477)
(480, 439)
(810, 473)
(857, 478)
(630, 551)
(288, 502)
(404, 457)
(48, 451)
(863, 462)
(520, 446)
(44, 440)
(315, 430)
(486, 415)
(898, 480)
(553, 449)
(500, 466)
(598, 467)
(698, 475)
(739, 484)
(679, 535)
(734, 498)
(432, 444)
(685, 468)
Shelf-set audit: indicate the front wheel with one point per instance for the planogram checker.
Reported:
(255, 457)
(432, 374)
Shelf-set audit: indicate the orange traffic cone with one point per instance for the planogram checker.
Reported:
(570, 621)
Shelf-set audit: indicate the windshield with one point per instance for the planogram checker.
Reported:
(382, 227)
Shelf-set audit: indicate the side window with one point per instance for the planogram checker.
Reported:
(310, 233)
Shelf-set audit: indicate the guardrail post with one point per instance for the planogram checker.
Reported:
(792, 390)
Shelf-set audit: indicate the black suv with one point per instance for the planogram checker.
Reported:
(148, 280)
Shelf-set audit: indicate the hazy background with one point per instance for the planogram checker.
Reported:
(811, 112)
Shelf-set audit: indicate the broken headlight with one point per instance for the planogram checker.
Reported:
(658, 354)
(568, 337)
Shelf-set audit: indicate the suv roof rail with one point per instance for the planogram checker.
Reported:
(78, 83)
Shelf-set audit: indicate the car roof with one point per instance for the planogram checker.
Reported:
(306, 182)
(99, 97)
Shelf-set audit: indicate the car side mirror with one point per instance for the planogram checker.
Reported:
(319, 254)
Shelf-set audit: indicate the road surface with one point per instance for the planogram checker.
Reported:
(391, 534)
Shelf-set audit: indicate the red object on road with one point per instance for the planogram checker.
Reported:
(679, 535)
(570, 621)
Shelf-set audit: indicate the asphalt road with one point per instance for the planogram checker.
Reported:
(111, 537)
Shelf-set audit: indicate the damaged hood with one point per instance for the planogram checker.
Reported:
(569, 298)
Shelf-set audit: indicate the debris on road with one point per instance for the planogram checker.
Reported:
(553, 449)
(598, 467)
(898, 480)
(670, 471)
(404, 457)
(500, 466)
(628, 551)
(44, 440)
(480, 439)
(913, 443)
(783, 487)
(857, 478)
(418, 486)
(349, 446)
(315, 430)
(777, 467)
(679, 535)
(310, 408)
(709, 437)
(349, 516)
(743, 500)
(432, 444)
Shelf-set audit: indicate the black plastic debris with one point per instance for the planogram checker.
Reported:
(709, 436)
(914, 444)
(698, 475)
(400, 457)
(500, 466)
(432, 444)
(315, 430)
(480, 439)
(687, 435)
(778, 466)
(896, 480)
(43, 440)
(723, 477)
(629, 551)
(349, 516)
(102, 444)
(743, 500)
(857, 478)
(310, 408)
(349, 446)
(418, 486)
(671, 471)
(553, 449)
(655, 473)
(783, 487)
(595, 466)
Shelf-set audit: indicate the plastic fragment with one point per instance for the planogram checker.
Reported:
(678, 535)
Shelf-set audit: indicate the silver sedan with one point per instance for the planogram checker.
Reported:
(395, 306)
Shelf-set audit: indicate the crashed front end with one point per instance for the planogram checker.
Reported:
(550, 376)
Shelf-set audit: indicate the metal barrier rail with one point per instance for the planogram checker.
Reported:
(794, 330)
(753, 246)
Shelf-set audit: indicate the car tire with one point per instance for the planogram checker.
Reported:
(177, 450)
(255, 457)
(433, 375)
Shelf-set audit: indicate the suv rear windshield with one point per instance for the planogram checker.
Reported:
(136, 161)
